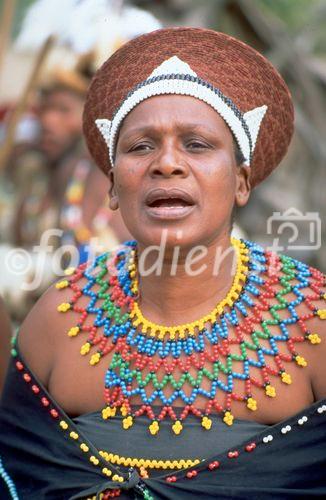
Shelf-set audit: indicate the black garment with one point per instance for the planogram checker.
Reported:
(193, 442)
(45, 463)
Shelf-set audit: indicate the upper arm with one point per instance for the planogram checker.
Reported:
(318, 371)
(317, 359)
(5, 338)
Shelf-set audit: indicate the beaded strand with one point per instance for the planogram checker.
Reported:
(248, 448)
(140, 348)
(8, 481)
(181, 331)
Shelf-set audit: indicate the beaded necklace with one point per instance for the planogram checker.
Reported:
(142, 351)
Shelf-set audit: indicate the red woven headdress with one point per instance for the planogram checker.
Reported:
(243, 87)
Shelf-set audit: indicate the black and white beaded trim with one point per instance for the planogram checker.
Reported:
(244, 126)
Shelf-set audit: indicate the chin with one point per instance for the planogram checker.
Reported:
(51, 152)
(169, 238)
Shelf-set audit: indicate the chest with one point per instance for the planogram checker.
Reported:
(79, 387)
(230, 363)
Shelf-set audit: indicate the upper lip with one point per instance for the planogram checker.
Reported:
(166, 194)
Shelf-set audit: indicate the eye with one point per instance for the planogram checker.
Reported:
(142, 146)
(196, 144)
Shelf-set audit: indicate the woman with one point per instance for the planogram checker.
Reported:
(214, 380)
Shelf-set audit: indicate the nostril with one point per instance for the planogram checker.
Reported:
(178, 170)
(165, 170)
(157, 171)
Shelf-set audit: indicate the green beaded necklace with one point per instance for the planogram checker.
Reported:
(148, 359)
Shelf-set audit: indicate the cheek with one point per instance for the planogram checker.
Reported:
(127, 183)
(74, 125)
(218, 184)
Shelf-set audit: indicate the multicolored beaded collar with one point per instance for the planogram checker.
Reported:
(147, 359)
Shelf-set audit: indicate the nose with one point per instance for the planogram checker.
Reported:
(169, 163)
(48, 120)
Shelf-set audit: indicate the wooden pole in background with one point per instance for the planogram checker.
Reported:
(7, 145)
(6, 22)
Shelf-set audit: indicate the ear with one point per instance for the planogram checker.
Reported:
(243, 187)
(114, 201)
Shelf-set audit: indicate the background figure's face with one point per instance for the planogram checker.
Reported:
(60, 114)
(177, 142)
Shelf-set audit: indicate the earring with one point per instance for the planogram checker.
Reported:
(114, 203)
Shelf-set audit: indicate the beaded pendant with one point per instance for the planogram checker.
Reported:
(164, 367)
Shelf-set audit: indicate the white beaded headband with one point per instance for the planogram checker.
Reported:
(174, 76)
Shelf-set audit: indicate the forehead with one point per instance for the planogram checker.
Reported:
(61, 95)
(176, 111)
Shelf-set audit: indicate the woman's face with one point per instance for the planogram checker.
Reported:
(175, 169)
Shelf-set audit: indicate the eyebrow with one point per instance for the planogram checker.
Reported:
(182, 127)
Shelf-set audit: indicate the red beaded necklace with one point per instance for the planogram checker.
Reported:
(163, 366)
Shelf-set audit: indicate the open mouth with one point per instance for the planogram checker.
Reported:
(169, 198)
(169, 203)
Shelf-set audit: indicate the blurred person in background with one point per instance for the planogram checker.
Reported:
(53, 173)
(56, 186)
(56, 170)
(49, 181)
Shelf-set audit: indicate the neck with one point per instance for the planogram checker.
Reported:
(178, 294)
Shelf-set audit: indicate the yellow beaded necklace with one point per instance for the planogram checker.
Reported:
(163, 331)
(164, 364)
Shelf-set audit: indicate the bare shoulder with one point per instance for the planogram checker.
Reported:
(313, 316)
(317, 326)
(304, 288)
(43, 331)
(45, 335)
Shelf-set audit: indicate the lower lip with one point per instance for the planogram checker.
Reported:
(169, 213)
